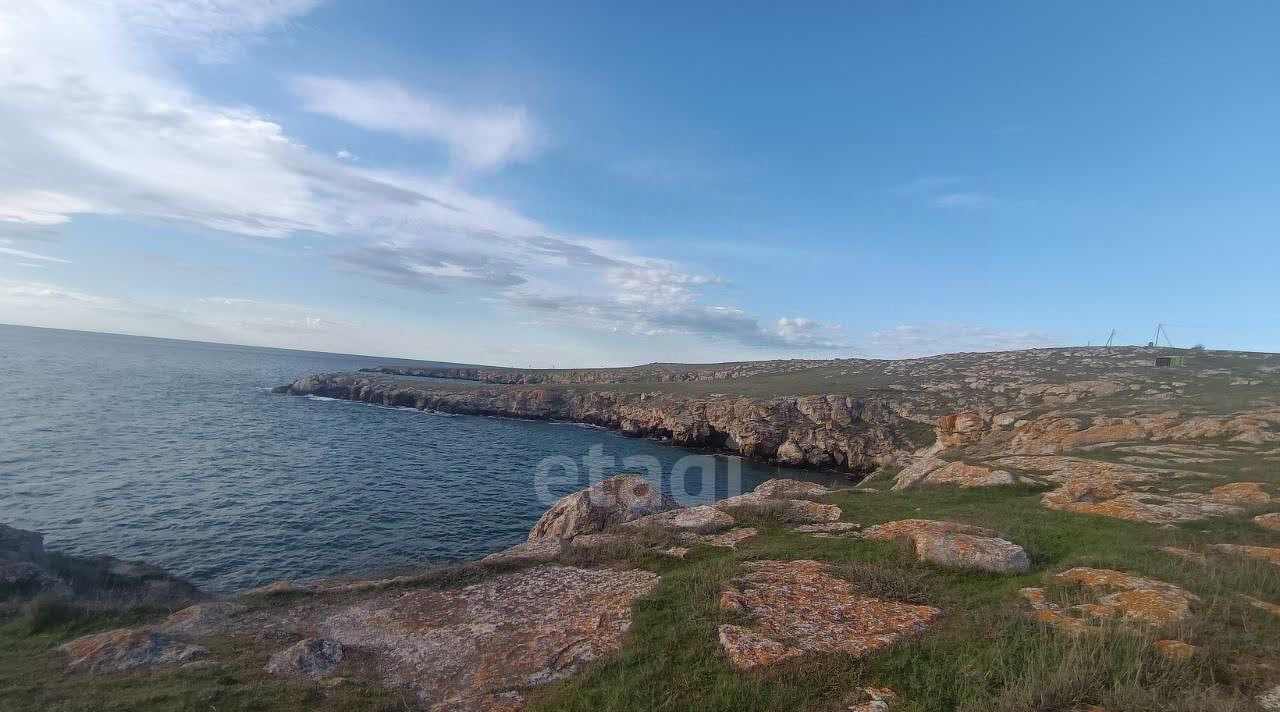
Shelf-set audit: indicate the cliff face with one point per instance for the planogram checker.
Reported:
(829, 431)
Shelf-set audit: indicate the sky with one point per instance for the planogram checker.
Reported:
(599, 183)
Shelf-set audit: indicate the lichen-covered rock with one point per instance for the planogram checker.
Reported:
(611, 502)
(529, 552)
(1270, 521)
(1121, 491)
(127, 649)
(800, 606)
(309, 657)
(779, 488)
(957, 473)
(796, 511)
(1265, 553)
(456, 647)
(870, 699)
(1241, 493)
(703, 519)
(747, 648)
(728, 540)
(202, 619)
(955, 545)
(829, 530)
(1120, 595)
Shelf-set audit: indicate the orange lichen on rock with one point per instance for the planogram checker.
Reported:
(1268, 521)
(1175, 649)
(1138, 600)
(1112, 490)
(127, 649)
(799, 605)
(875, 698)
(933, 471)
(1243, 493)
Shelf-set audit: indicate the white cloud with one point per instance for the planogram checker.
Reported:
(480, 138)
(912, 340)
(94, 121)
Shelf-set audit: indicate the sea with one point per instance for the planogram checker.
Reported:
(177, 453)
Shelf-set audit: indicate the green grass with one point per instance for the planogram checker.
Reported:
(984, 653)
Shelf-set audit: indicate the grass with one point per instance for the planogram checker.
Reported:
(984, 653)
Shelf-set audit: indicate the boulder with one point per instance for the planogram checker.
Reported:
(127, 649)
(1175, 649)
(799, 607)
(955, 545)
(309, 657)
(608, 503)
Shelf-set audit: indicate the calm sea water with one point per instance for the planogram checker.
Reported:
(176, 453)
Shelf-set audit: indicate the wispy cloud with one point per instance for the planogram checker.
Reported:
(478, 137)
(96, 122)
(912, 340)
(28, 255)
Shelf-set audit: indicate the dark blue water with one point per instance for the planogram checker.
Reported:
(176, 453)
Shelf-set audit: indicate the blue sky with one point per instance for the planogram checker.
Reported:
(591, 183)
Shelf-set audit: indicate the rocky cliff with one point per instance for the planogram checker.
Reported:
(828, 431)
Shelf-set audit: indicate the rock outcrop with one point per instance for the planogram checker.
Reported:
(1120, 595)
(798, 607)
(309, 657)
(827, 431)
(932, 471)
(607, 503)
(953, 545)
(456, 647)
(127, 649)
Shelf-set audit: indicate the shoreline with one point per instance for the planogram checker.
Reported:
(824, 433)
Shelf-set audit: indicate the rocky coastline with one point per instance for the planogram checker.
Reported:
(832, 431)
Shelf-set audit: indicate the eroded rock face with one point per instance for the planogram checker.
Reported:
(1131, 598)
(127, 649)
(456, 647)
(608, 503)
(799, 607)
(830, 430)
(309, 657)
(953, 545)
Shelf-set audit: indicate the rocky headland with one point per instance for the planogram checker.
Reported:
(1068, 529)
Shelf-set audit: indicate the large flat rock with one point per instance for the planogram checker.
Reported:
(456, 648)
